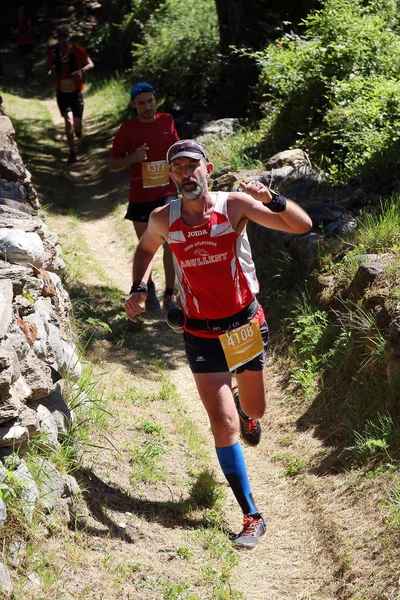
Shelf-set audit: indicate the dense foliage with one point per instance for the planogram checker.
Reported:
(334, 90)
(180, 49)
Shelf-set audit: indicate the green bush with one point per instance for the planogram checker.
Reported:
(335, 91)
(180, 49)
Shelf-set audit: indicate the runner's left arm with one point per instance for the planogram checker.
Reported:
(253, 205)
(84, 61)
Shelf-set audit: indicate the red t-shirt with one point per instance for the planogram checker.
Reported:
(25, 33)
(150, 180)
(65, 83)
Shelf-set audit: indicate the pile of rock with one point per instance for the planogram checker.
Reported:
(38, 356)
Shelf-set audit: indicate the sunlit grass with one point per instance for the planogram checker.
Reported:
(107, 101)
(238, 150)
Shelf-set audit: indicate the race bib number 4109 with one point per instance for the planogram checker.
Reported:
(242, 344)
(155, 173)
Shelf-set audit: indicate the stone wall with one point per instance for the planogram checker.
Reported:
(36, 341)
(37, 350)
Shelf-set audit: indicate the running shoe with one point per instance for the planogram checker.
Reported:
(72, 158)
(152, 304)
(254, 527)
(250, 429)
(170, 302)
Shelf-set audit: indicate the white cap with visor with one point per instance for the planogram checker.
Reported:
(188, 148)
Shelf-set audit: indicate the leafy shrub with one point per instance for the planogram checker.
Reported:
(180, 49)
(334, 91)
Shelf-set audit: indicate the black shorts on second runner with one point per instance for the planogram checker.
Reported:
(140, 211)
(205, 355)
(70, 102)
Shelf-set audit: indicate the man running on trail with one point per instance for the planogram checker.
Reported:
(225, 331)
(141, 145)
(25, 42)
(70, 62)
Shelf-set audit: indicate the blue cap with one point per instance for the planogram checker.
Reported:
(141, 88)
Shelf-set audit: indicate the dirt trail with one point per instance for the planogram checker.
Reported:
(292, 562)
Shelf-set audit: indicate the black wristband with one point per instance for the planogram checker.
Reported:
(138, 287)
(278, 202)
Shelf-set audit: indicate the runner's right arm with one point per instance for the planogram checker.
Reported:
(152, 239)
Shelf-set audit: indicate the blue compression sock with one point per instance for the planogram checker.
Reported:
(233, 466)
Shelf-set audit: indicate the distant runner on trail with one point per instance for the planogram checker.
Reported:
(224, 326)
(70, 62)
(25, 42)
(141, 145)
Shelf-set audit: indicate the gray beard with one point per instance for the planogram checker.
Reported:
(198, 191)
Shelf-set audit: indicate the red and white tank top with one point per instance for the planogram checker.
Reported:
(213, 264)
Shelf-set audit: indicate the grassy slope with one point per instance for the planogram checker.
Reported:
(366, 562)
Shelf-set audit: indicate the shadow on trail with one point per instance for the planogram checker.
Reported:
(100, 498)
(149, 344)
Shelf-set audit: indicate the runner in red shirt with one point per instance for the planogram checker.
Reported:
(70, 62)
(225, 332)
(141, 145)
(25, 42)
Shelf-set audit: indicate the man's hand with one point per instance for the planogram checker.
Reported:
(77, 75)
(140, 154)
(133, 305)
(257, 190)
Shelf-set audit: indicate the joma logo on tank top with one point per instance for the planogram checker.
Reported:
(204, 260)
(195, 233)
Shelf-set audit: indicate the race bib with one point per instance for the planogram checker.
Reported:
(155, 173)
(242, 344)
(67, 86)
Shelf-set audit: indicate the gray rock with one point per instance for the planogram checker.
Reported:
(11, 166)
(288, 157)
(17, 246)
(275, 177)
(72, 367)
(6, 312)
(51, 484)
(16, 552)
(219, 128)
(17, 340)
(9, 368)
(71, 486)
(48, 427)
(3, 512)
(62, 415)
(14, 436)
(12, 218)
(37, 376)
(341, 228)
(28, 416)
(62, 300)
(16, 273)
(21, 390)
(53, 260)
(5, 580)
(365, 275)
(29, 489)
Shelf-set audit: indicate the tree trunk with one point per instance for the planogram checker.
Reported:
(251, 24)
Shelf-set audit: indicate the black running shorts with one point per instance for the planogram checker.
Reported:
(205, 355)
(70, 102)
(140, 211)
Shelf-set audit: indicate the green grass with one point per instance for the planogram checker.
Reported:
(107, 100)
(240, 150)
